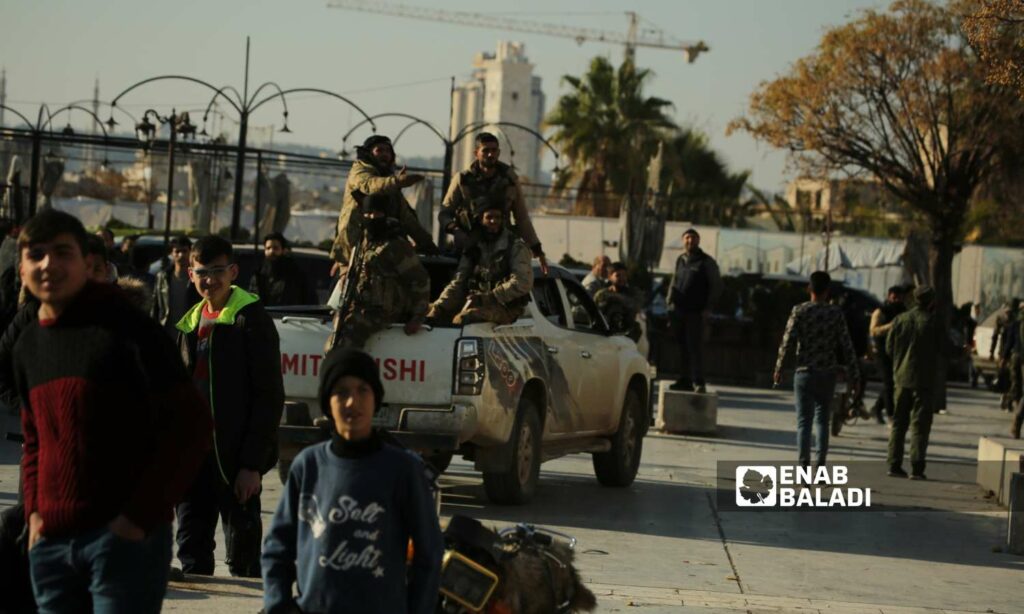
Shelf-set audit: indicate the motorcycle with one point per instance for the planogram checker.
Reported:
(519, 570)
(847, 406)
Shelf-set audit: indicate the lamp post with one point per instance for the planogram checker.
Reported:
(146, 131)
(244, 105)
(37, 129)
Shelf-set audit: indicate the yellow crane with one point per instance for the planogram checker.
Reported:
(633, 38)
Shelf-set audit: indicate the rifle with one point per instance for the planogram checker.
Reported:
(348, 288)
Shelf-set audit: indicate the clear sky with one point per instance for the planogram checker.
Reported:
(54, 49)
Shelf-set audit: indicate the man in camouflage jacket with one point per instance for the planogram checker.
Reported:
(485, 180)
(392, 285)
(494, 277)
(374, 173)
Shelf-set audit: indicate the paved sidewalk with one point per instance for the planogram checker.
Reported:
(663, 545)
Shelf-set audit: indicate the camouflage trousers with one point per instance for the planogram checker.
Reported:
(357, 325)
(494, 312)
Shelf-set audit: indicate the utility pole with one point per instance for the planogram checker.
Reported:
(243, 129)
(3, 93)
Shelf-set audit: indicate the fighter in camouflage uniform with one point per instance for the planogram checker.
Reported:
(494, 277)
(392, 286)
(487, 179)
(621, 303)
(374, 173)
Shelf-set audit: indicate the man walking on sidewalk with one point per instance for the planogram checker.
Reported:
(881, 322)
(695, 286)
(818, 331)
(915, 344)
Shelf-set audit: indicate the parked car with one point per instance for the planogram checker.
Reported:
(149, 256)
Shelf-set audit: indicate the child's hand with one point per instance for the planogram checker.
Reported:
(247, 484)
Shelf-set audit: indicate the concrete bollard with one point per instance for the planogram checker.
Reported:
(1015, 524)
(686, 412)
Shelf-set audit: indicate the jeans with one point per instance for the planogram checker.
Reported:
(813, 391)
(208, 498)
(114, 574)
(689, 329)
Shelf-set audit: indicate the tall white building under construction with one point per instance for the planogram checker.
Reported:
(503, 88)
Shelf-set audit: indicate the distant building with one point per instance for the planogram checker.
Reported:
(815, 198)
(776, 259)
(503, 88)
(741, 259)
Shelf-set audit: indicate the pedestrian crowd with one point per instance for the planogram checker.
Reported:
(142, 404)
(910, 343)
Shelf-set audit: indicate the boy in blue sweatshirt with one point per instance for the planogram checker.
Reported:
(349, 509)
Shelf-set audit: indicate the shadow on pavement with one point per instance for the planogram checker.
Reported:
(892, 531)
(573, 501)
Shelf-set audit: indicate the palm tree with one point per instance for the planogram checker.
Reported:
(702, 189)
(609, 130)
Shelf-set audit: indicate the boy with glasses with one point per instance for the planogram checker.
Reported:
(231, 348)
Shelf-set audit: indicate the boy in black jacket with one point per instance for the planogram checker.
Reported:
(230, 346)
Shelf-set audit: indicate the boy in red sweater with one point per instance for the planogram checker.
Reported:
(114, 432)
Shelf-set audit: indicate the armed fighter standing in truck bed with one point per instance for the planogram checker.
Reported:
(487, 177)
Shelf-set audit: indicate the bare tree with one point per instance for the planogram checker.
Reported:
(897, 95)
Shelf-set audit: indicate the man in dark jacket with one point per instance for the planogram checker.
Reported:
(1007, 338)
(695, 287)
(881, 323)
(280, 281)
(915, 343)
(173, 292)
(230, 346)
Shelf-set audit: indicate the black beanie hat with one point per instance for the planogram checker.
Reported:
(346, 361)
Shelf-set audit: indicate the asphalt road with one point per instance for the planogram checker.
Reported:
(665, 544)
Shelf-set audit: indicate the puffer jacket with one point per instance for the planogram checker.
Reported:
(246, 387)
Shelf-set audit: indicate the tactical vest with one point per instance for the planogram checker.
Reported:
(477, 190)
(488, 273)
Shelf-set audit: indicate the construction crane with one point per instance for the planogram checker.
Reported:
(632, 39)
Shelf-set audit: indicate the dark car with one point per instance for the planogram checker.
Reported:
(149, 256)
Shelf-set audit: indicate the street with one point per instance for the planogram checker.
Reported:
(661, 545)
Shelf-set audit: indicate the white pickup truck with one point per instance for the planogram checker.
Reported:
(509, 397)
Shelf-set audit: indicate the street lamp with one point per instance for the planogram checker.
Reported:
(145, 130)
(43, 120)
(244, 104)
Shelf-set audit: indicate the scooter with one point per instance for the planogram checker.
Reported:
(518, 570)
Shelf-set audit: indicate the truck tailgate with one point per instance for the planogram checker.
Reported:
(416, 369)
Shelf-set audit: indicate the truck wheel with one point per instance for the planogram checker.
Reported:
(618, 466)
(517, 485)
(439, 459)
